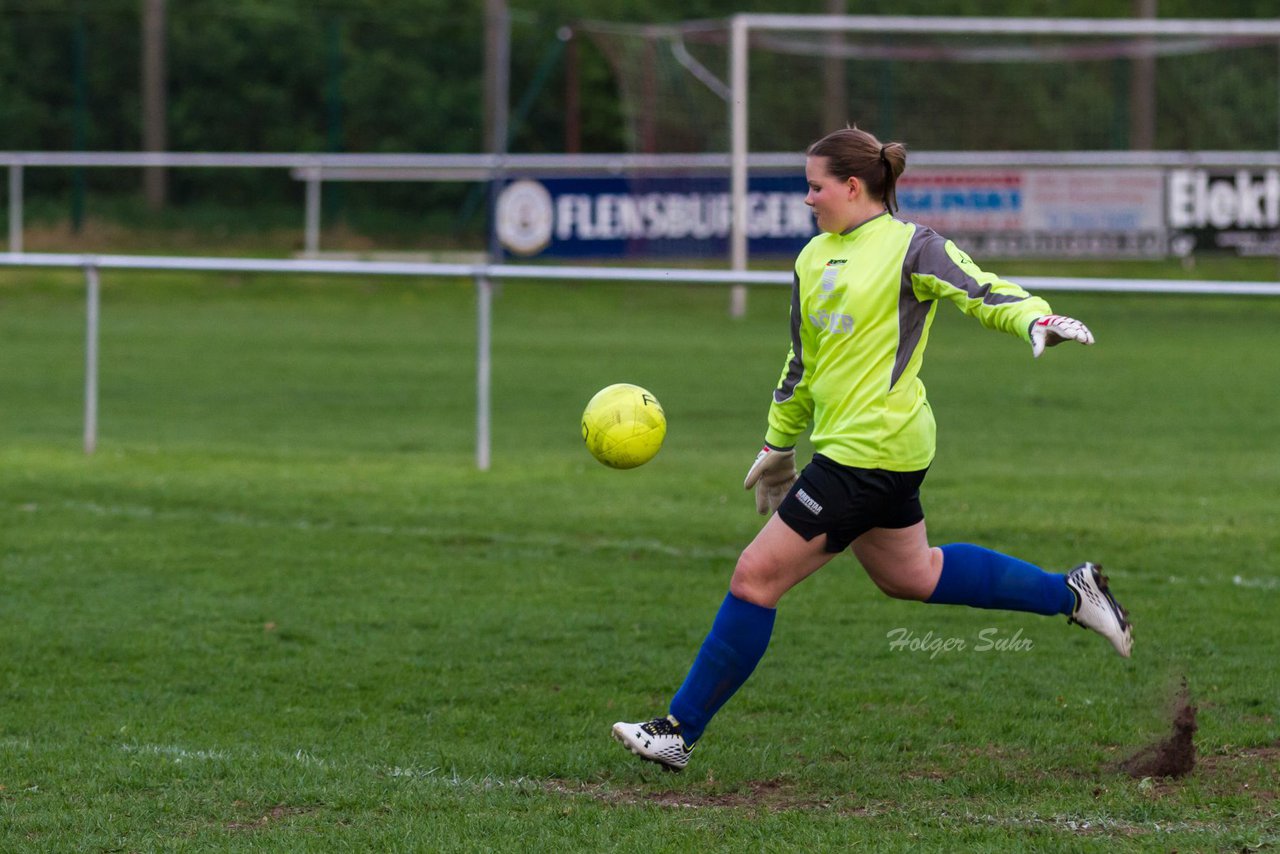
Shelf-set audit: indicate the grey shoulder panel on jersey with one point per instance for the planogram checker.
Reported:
(912, 311)
(931, 259)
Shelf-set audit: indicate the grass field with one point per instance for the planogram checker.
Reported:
(279, 609)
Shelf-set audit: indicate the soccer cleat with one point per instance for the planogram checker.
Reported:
(1097, 609)
(658, 740)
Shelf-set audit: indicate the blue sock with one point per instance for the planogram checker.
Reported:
(981, 578)
(738, 639)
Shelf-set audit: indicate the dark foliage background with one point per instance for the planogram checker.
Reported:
(407, 76)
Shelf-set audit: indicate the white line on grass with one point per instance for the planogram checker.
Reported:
(533, 539)
(1265, 583)
(178, 754)
(1256, 583)
(310, 759)
(1079, 824)
(1097, 824)
(239, 520)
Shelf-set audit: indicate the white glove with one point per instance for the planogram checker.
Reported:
(771, 474)
(1053, 329)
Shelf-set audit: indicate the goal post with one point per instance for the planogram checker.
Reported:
(1084, 37)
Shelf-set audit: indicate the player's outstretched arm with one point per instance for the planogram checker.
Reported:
(1053, 329)
(771, 475)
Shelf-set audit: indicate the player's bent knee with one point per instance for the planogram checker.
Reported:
(751, 582)
(749, 592)
(913, 589)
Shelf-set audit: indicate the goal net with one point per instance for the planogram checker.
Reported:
(1012, 85)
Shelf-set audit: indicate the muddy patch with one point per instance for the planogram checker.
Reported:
(1172, 756)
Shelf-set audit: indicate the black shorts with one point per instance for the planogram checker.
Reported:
(845, 502)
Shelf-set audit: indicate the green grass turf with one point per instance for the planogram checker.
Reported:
(279, 609)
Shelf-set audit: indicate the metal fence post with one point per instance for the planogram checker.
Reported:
(484, 320)
(739, 48)
(92, 299)
(312, 237)
(15, 207)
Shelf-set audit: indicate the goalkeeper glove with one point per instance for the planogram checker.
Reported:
(1053, 329)
(771, 475)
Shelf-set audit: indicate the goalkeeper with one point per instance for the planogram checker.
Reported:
(864, 296)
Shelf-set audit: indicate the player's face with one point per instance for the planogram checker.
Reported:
(828, 196)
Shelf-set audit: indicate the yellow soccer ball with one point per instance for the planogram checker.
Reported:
(623, 426)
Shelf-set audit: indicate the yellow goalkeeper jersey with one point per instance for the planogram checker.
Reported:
(861, 307)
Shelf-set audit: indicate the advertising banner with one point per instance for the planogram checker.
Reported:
(1104, 213)
(1234, 211)
(649, 216)
(1053, 213)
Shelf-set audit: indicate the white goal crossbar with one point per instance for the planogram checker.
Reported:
(483, 275)
(741, 26)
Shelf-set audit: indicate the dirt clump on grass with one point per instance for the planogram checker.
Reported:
(1174, 756)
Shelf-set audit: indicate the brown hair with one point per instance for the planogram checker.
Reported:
(854, 153)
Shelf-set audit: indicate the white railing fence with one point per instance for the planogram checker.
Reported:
(484, 275)
(314, 170)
